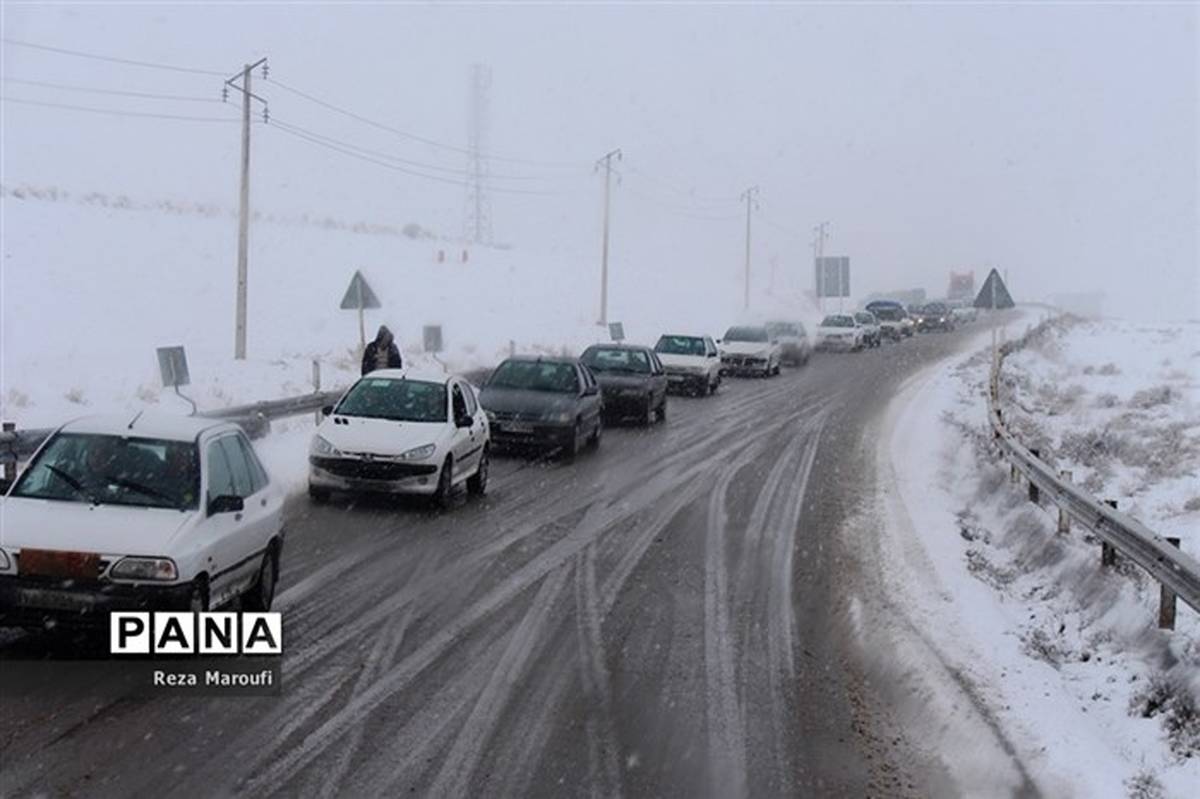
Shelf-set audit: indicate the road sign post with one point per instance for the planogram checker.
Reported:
(358, 297)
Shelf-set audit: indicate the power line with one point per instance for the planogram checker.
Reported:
(414, 137)
(688, 193)
(114, 59)
(115, 112)
(300, 133)
(99, 90)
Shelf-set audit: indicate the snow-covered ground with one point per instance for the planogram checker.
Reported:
(91, 285)
(1059, 662)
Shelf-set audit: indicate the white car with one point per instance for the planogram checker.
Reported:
(840, 332)
(398, 432)
(148, 512)
(692, 363)
(750, 349)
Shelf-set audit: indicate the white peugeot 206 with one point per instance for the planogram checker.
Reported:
(398, 432)
(153, 512)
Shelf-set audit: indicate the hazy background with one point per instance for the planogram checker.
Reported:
(1058, 143)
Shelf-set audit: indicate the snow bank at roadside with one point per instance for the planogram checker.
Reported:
(1066, 658)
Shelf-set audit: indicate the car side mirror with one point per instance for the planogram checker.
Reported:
(225, 503)
(591, 391)
(463, 421)
(328, 409)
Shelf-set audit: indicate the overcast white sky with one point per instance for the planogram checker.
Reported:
(1057, 142)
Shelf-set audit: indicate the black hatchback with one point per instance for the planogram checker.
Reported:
(632, 380)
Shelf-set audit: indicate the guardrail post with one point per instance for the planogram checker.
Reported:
(1064, 520)
(1108, 553)
(1034, 494)
(1166, 600)
(316, 381)
(10, 469)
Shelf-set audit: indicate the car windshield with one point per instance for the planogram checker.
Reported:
(865, 318)
(838, 321)
(612, 359)
(550, 376)
(746, 334)
(112, 470)
(398, 400)
(781, 329)
(680, 345)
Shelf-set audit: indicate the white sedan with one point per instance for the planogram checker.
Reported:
(750, 349)
(692, 363)
(173, 513)
(398, 432)
(840, 332)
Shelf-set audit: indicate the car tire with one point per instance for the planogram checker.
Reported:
(594, 441)
(661, 413)
(319, 496)
(477, 483)
(259, 597)
(445, 486)
(716, 384)
(572, 447)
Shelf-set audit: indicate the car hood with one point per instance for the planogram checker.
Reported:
(671, 359)
(378, 436)
(612, 382)
(746, 347)
(525, 402)
(82, 527)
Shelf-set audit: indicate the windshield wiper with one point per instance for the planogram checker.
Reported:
(145, 491)
(70, 480)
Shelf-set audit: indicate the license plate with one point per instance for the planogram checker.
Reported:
(54, 600)
(518, 428)
(54, 563)
(675, 378)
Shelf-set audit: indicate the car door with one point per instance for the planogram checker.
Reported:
(221, 530)
(590, 402)
(712, 357)
(466, 441)
(658, 377)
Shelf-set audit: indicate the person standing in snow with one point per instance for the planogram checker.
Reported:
(382, 353)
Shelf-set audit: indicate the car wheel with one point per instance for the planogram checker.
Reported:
(477, 483)
(594, 441)
(716, 384)
(442, 497)
(198, 598)
(572, 448)
(319, 496)
(661, 413)
(258, 599)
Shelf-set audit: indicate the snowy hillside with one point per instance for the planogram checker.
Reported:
(113, 283)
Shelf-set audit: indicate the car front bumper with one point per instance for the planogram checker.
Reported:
(388, 477)
(687, 381)
(42, 602)
(836, 344)
(737, 365)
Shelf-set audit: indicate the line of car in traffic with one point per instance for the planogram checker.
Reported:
(117, 513)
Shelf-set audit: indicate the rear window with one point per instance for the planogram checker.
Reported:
(680, 345)
(746, 334)
(611, 359)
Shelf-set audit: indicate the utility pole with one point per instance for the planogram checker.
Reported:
(607, 162)
(239, 342)
(750, 195)
(819, 236)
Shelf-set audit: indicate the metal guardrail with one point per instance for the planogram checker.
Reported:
(255, 419)
(1177, 572)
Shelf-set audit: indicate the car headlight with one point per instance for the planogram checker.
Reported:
(322, 447)
(418, 453)
(558, 417)
(5, 563)
(162, 569)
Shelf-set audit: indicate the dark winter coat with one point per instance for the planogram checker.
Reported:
(368, 359)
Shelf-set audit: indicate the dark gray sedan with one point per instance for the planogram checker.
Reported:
(543, 402)
(632, 379)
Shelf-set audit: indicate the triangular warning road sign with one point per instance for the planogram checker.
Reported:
(359, 295)
(994, 293)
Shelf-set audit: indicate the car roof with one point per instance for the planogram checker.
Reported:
(563, 359)
(618, 345)
(426, 375)
(684, 335)
(145, 425)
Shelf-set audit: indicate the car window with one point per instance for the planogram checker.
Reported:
(469, 396)
(617, 359)
(657, 364)
(218, 471)
(710, 347)
(243, 483)
(399, 400)
(751, 334)
(551, 376)
(258, 475)
(460, 404)
(680, 345)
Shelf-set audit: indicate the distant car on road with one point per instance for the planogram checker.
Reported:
(893, 321)
(937, 316)
(692, 363)
(632, 380)
(536, 401)
(397, 431)
(872, 333)
(795, 348)
(143, 513)
(840, 332)
(750, 349)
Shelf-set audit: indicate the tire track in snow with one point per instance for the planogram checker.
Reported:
(604, 768)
